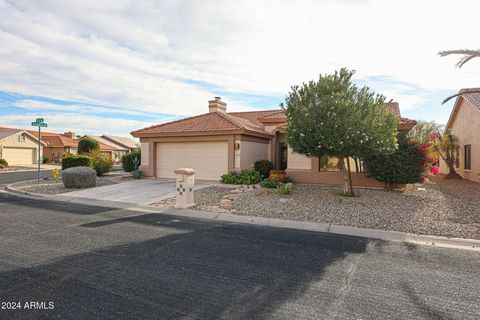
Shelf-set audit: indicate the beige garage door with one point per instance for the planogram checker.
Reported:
(209, 159)
(19, 156)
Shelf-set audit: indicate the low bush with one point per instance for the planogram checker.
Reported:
(405, 165)
(285, 188)
(101, 162)
(288, 179)
(3, 163)
(267, 183)
(71, 161)
(79, 177)
(264, 167)
(87, 144)
(129, 161)
(243, 177)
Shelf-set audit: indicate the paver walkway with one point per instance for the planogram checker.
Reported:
(139, 192)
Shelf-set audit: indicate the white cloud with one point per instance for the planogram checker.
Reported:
(82, 124)
(139, 54)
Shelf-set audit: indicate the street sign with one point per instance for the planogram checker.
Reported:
(39, 122)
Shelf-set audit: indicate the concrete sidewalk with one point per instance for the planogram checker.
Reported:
(138, 192)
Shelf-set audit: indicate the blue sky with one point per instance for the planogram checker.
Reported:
(111, 67)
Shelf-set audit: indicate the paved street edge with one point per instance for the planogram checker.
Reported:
(397, 236)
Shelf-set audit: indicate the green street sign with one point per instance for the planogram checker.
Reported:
(40, 120)
(39, 124)
(43, 125)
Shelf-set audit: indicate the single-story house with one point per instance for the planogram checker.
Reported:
(60, 143)
(218, 142)
(122, 145)
(19, 147)
(464, 123)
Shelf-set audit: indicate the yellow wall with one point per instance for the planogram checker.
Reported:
(28, 143)
(298, 161)
(466, 126)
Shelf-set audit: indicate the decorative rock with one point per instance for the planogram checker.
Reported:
(79, 177)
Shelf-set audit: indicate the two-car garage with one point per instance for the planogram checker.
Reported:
(209, 159)
(19, 156)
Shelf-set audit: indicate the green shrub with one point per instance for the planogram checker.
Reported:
(288, 179)
(128, 161)
(87, 144)
(70, 161)
(266, 183)
(79, 177)
(44, 160)
(405, 165)
(101, 162)
(3, 163)
(244, 177)
(264, 167)
(285, 188)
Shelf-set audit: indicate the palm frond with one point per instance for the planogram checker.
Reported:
(468, 55)
(457, 94)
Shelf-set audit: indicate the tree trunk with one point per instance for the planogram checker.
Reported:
(452, 174)
(347, 184)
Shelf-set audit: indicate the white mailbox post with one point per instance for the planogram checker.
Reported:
(185, 188)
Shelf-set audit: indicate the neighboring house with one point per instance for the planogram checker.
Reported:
(464, 123)
(60, 143)
(19, 147)
(218, 142)
(122, 145)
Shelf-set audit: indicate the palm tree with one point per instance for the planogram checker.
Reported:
(446, 146)
(467, 56)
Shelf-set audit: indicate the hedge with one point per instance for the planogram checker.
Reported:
(71, 161)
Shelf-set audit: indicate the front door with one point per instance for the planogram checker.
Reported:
(283, 156)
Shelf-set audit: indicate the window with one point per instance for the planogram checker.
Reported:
(457, 157)
(468, 157)
(21, 138)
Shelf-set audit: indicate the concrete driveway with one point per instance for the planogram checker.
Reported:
(139, 192)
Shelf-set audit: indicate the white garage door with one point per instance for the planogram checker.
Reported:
(209, 159)
(19, 156)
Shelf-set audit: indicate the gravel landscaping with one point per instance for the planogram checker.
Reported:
(56, 186)
(441, 207)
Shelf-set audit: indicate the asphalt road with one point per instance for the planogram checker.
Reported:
(11, 177)
(102, 263)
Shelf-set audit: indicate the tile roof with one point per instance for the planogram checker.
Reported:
(129, 143)
(254, 116)
(208, 122)
(7, 132)
(112, 144)
(471, 96)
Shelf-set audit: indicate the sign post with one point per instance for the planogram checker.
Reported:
(39, 123)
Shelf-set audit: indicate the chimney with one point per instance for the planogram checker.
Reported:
(217, 105)
(70, 134)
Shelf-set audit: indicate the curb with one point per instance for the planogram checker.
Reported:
(395, 236)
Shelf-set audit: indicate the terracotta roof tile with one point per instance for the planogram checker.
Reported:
(471, 96)
(208, 122)
(254, 116)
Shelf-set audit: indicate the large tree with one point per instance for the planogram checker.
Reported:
(333, 117)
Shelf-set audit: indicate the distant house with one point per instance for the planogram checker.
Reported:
(59, 144)
(122, 145)
(464, 122)
(19, 147)
(217, 142)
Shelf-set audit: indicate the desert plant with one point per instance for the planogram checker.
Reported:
(128, 161)
(101, 162)
(264, 167)
(70, 161)
(288, 179)
(405, 165)
(244, 177)
(79, 177)
(445, 145)
(285, 188)
(3, 164)
(270, 183)
(87, 144)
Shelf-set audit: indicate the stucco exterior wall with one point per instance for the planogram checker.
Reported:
(28, 143)
(252, 151)
(466, 126)
(298, 161)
